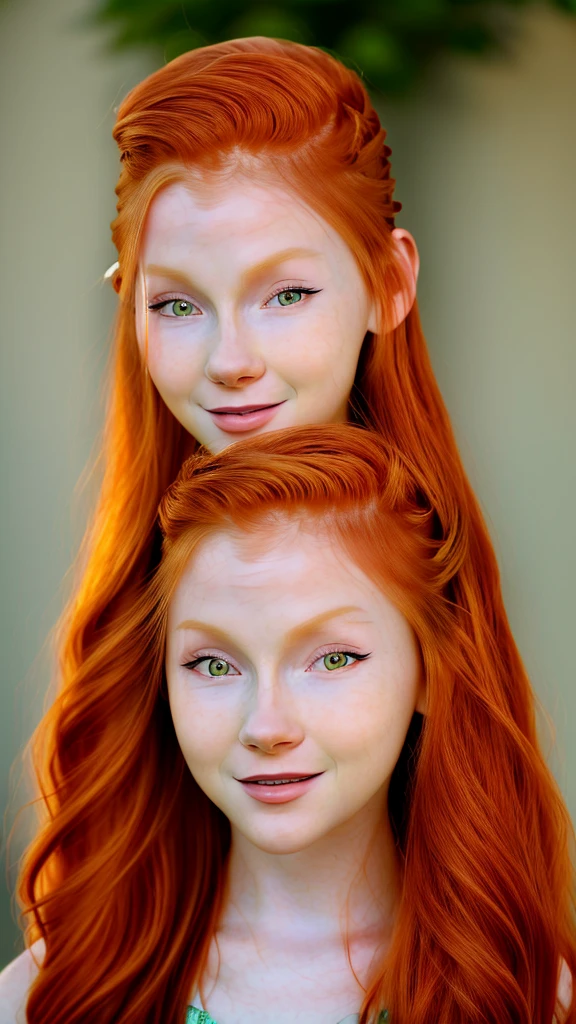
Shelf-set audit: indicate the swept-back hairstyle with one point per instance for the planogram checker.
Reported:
(482, 831)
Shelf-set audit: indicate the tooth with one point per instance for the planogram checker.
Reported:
(279, 782)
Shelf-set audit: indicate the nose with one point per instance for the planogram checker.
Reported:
(234, 359)
(271, 725)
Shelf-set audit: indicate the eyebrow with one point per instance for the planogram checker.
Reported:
(295, 635)
(249, 275)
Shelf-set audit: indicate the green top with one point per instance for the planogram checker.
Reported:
(196, 1016)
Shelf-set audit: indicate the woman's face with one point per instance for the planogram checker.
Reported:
(284, 659)
(256, 310)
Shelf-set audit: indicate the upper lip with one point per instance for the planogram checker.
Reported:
(278, 775)
(243, 408)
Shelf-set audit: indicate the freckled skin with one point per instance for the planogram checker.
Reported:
(239, 345)
(279, 707)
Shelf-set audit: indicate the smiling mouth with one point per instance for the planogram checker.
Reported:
(270, 781)
(279, 782)
(242, 410)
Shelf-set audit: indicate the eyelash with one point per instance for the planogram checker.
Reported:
(206, 657)
(154, 307)
(292, 288)
(191, 665)
(338, 650)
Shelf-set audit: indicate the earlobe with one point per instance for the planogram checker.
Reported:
(408, 262)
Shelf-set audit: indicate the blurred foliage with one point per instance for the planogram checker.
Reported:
(391, 42)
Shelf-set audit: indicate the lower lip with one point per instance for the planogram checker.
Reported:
(279, 794)
(233, 423)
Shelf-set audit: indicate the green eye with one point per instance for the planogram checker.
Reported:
(217, 667)
(337, 659)
(182, 308)
(289, 298)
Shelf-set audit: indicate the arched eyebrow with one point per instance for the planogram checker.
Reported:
(296, 635)
(249, 276)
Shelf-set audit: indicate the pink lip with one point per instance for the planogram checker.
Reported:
(282, 794)
(242, 408)
(278, 775)
(237, 419)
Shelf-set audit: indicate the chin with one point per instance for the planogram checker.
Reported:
(284, 841)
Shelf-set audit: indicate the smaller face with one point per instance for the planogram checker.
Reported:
(256, 310)
(285, 662)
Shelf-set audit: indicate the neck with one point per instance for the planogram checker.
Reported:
(347, 882)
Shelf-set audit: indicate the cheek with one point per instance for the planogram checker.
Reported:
(356, 727)
(175, 363)
(205, 733)
(322, 352)
(369, 728)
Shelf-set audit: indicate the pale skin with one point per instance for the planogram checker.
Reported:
(231, 261)
(267, 611)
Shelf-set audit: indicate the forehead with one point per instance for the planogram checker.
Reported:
(289, 563)
(232, 211)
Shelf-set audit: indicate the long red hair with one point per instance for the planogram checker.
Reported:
(113, 950)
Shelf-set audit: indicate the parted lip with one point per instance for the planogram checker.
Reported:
(278, 775)
(243, 408)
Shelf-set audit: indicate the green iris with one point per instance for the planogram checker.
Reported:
(217, 667)
(289, 298)
(182, 308)
(335, 660)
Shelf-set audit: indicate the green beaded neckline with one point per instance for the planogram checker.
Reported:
(196, 1016)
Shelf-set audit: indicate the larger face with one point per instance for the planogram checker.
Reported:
(284, 659)
(251, 310)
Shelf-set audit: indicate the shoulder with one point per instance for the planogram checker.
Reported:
(15, 982)
(564, 991)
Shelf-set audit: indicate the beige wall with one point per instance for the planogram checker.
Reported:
(485, 165)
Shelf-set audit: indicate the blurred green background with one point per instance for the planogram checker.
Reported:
(479, 103)
(391, 42)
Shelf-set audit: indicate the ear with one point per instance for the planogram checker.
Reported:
(408, 263)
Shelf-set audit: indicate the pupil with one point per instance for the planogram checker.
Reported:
(336, 660)
(288, 298)
(218, 668)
